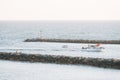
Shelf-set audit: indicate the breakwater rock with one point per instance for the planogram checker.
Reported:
(74, 41)
(99, 62)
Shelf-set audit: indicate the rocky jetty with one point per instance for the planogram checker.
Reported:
(74, 41)
(99, 62)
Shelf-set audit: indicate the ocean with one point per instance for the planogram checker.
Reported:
(13, 33)
(92, 30)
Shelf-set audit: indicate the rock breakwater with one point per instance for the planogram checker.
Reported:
(74, 41)
(99, 62)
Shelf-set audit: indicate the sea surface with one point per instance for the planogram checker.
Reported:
(40, 71)
(96, 30)
(13, 33)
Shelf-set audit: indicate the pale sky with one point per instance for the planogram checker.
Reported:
(59, 9)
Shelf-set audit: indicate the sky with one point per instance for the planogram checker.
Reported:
(59, 9)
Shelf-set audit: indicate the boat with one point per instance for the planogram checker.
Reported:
(93, 48)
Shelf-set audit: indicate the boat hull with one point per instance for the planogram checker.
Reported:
(92, 50)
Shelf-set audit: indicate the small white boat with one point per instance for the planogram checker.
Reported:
(93, 48)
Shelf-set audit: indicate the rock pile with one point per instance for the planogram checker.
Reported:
(74, 41)
(99, 62)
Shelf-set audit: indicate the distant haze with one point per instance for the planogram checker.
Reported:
(59, 9)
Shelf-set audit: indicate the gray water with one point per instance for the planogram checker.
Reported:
(13, 33)
(39, 71)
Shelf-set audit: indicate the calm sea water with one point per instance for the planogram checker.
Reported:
(39, 71)
(16, 31)
(13, 33)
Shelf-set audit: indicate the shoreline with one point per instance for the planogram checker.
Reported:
(57, 59)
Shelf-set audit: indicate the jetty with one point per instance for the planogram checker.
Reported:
(57, 59)
(73, 41)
